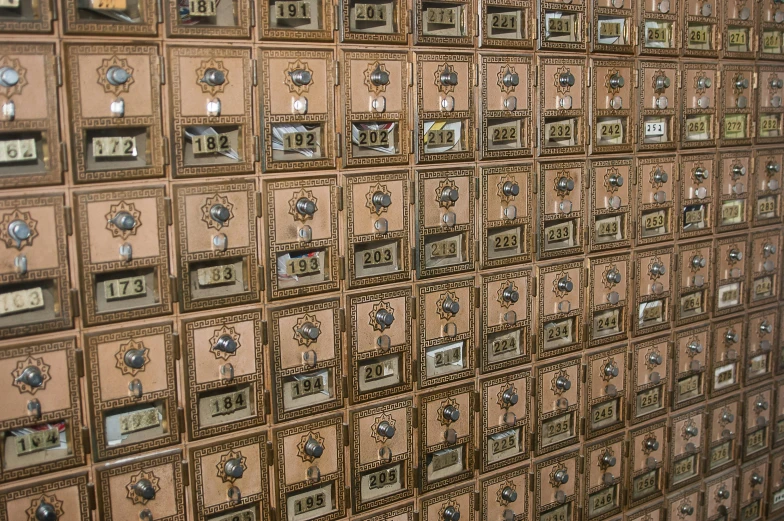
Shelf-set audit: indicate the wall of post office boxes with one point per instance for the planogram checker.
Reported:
(381, 260)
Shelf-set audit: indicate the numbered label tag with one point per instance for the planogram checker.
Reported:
(128, 287)
(203, 7)
(17, 150)
(37, 441)
(109, 147)
(22, 300)
(109, 5)
(217, 275)
(211, 143)
(292, 10)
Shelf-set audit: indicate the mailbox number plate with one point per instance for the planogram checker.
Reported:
(128, 287)
(203, 7)
(230, 402)
(114, 147)
(211, 144)
(217, 275)
(649, 401)
(37, 441)
(16, 150)
(22, 300)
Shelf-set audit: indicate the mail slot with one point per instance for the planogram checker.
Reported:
(650, 379)
(448, 23)
(739, 29)
(771, 30)
(445, 119)
(558, 405)
(444, 221)
(765, 261)
(507, 24)
(698, 109)
(606, 387)
(605, 477)
(455, 504)
(380, 342)
(655, 179)
(653, 290)
(216, 244)
(614, 26)
(309, 20)
(26, 16)
(446, 437)
(374, 87)
(297, 93)
(613, 104)
(378, 221)
(129, 18)
(506, 106)
(209, 19)
(65, 497)
(562, 26)
(753, 485)
(114, 101)
(770, 112)
(737, 103)
(694, 282)
(383, 22)
(446, 331)
(776, 494)
(695, 201)
(132, 389)
(659, 97)
(649, 447)
(560, 314)
(610, 220)
(505, 496)
(687, 444)
(734, 179)
(506, 420)
(690, 362)
(700, 35)
(686, 505)
(561, 189)
(301, 232)
(766, 191)
(31, 135)
(306, 353)
(210, 89)
(557, 487)
(562, 97)
(728, 339)
(762, 331)
(506, 320)
(608, 299)
(659, 24)
(731, 258)
(507, 215)
(724, 429)
(757, 420)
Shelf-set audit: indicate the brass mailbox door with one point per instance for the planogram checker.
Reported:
(605, 477)
(753, 485)
(26, 16)
(381, 344)
(296, 20)
(557, 487)
(728, 339)
(438, 22)
(405, 512)
(561, 189)
(724, 428)
(129, 18)
(686, 505)
(152, 486)
(34, 292)
(223, 361)
(505, 495)
(209, 19)
(67, 497)
(778, 414)
(648, 447)
(211, 91)
(655, 179)
(382, 22)
(690, 363)
(757, 421)
(653, 291)
(375, 106)
(732, 260)
(240, 487)
(123, 253)
(762, 334)
(701, 27)
(613, 106)
(562, 26)
(457, 503)
(306, 354)
(732, 207)
(382, 446)
(41, 418)
(506, 215)
(659, 25)
(765, 261)
(444, 222)
(655, 512)
(698, 104)
(114, 96)
(506, 107)
(29, 128)
(770, 112)
(378, 223)
(506, 419)
(650, 379)
(606, 387)
(766, 187)
(771, 29)
(444, 104)
(737, 98)
(301, 233)
(507, 24)
(446, 331)
(132, 389)
(694, 282)
(658, 103)
(506, 320)
(297, 94)
(613, 23)
(610, 204)
(446, 437)
(216, 244)
(608, 299)
(739, 29)
(559, 395)
(696, 195)
(562, 100)
(776, 494)
(309, 469)
(687, 444)
(560, 313)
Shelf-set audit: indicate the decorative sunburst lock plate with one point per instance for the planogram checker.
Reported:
(207, 207)
(556, 287)
(440, 70)
(612, 89)
(654, 274)
(130, 488)
(506, 285)
(304, 456)
(131, 345)
(224, 331)
(301, 321)
(654, 182)
(697, 166)
(16, 65)
(683, 507)
(445, 183)
(611, 173)
(656, 87)
(647, 448)
(122, 206)
(506, 69)
(563, 174)
(449, 402)
(368, 74)
(30, 361)
(609, 284)
(650, 357)
(207, 88)
(18, 215)
(699, 82)
(609, 361)
(501, 194)
(559, 87)
(225, 458)
(440, 304)
(560, 467)
(511, 389)
(451, 503)
(103, 80)
(560, 375)
(499, 495)
(300, 194)
(378, 306)
(688, 426)
(381, 418)
(49, 499)
(298, 65)
(602, 456)
(373, 190)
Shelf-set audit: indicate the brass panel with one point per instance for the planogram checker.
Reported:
(613, 103)
(687, 445)
(694, 282)
(610, 204)
(653, 290)
(66, 496)
(602, 496)
(560, 314)
(563, 99)
(690, 361)
(506, 410)
(726, 356)
(561, 230)
(558, 405)
(724, 427)
(648, 450)
(607, 311)
(658, 91)
(732, 261)
(696, 195)
(732, 191)
(650, 379)
(606, 387)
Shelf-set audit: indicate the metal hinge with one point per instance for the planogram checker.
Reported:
(252, 13)
(411, 193)
(476, 74)
(534, 287)
(339, 190)
(256, 149)
(636, 76)
(168, 210)
(586, 274)
(160, 11)
(338, 18)
(267, 407)
(337, 73)
(68, 218)
(255, 72)
(181, 418)
(412, 302)
(342, 271)
(590, 73)
(58, 70)
(175, 289)
(339, 143)
(74, 296)
(477, 293)
(270, 453)
(55, 16)
(79, 355)
(536, 76)
(345, 435)
(90, 488)
(162, 64)
(262, 279)
(342, 316)
(410, 74)
(63, 156)
(259, 207)
(176, 345)
(476, 186)
(264, 339)
(166, 156)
